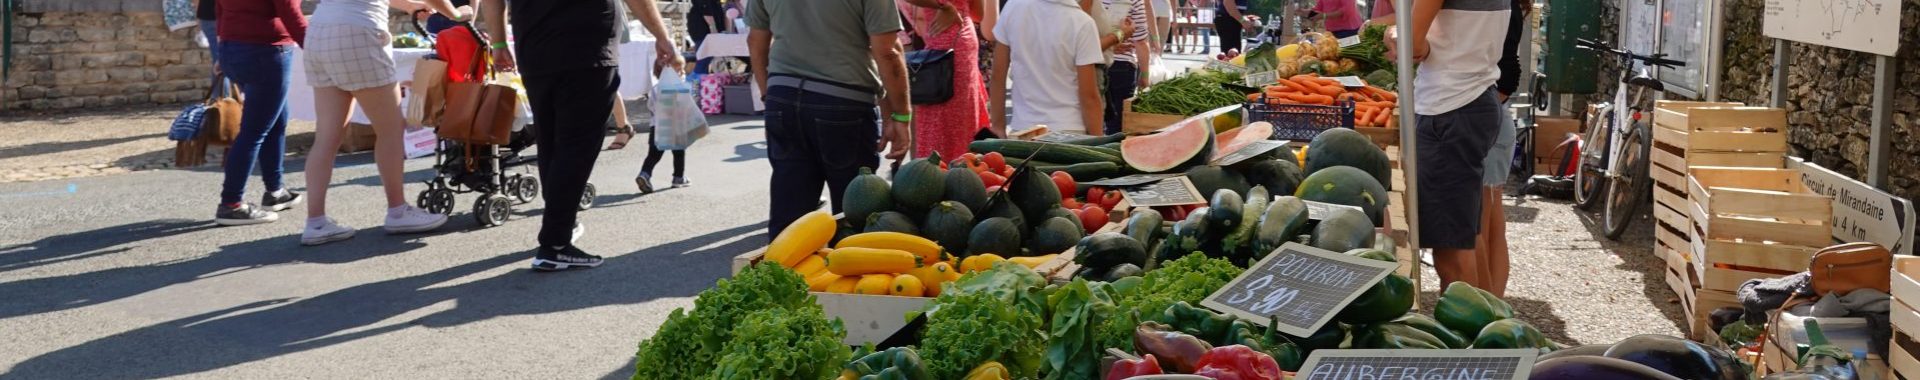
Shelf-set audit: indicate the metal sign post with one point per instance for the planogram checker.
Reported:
(1403, 62)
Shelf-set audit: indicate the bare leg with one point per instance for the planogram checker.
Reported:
(1456, 265)
(1493, 243)
(330, 107)
(620, 123)
(389, 149)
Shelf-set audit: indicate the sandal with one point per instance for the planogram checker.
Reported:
(621, 138)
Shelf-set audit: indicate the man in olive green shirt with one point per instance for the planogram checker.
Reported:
(824, 65)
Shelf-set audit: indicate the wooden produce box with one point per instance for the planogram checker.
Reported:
(1137, 123)
(1757, 205)
(1901, 358)
(1722, 129)
(357, 138)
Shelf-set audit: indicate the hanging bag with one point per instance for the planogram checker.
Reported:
(479, 111)
(677, 120)
(426, 97)
(1841, 269)
(930, 73)
(221, 122)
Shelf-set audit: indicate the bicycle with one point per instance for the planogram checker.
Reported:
(1618, 170)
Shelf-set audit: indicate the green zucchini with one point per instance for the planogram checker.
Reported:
(1240, 240)
(1099, 140)
(1049, 152)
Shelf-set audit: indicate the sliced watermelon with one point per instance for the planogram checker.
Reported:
(1180, 145)
(1234, 139)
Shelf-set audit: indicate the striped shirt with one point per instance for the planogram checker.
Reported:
(1463, 58)
(1136, 10)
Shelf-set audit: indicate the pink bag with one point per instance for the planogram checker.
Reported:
(713, 93)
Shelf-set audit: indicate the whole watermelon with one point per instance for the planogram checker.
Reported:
(1345, 185)
(1346, 147)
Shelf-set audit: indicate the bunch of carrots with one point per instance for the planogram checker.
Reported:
(1372, 106)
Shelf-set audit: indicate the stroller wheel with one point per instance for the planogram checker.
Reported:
(436, 200)
(528, 190)
(492, 210)
(586, 198)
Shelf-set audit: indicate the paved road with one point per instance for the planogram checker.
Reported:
(125, 277)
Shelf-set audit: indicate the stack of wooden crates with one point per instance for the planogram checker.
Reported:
(1725, 207)
(1906, 318)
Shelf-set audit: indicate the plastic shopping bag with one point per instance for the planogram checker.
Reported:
(677, 121)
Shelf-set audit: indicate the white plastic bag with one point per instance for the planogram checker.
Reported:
(677, 121)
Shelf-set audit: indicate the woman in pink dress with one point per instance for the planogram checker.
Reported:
(950, 24)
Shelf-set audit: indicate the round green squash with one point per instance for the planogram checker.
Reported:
(950, 224)
(891, 221)
(918, 185)
(866, 195)
(995, 235)
(1054, 235)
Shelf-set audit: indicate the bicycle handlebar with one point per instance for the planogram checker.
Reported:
(1656, 59)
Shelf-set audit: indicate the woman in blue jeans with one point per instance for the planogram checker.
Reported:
(257, 39)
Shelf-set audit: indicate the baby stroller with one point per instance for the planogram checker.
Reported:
(461, 167)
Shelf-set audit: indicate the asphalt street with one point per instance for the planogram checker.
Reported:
(126, 276)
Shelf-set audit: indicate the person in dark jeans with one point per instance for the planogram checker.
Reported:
(256, 50)
(209, 28)
(645, 180)
(570, 68)
(821, 87)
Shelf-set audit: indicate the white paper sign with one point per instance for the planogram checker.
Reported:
(1350, 81)
(1508, 364)
(1349, 41)
(1871, 26)
(1860, 212)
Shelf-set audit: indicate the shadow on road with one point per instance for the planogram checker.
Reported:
(269, 329)
(64, 146)
(748, 152)
(56, 249)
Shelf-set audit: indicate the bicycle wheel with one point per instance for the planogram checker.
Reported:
(1630, 189)
(1590, 180)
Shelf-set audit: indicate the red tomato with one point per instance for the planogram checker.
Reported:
(1064, 181)
(1070, 203)
(1107, 201)
(1097, 192)
(1093, 217)
(1006, 171)
(992, 180)
(996, 162)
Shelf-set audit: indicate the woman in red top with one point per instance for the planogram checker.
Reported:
(257, 38)
(949, 24)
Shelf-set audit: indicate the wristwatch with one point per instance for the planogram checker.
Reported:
(903, 117)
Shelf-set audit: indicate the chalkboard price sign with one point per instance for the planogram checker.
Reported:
(1299, 286)
(1418, 364)
(1165, 192)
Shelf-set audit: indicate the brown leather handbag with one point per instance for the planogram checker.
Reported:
(221, 124)
(1841, 269)
(479, 112)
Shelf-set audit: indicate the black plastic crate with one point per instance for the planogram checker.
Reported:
(1301, 122)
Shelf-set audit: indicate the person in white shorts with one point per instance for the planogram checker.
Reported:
(349, 58)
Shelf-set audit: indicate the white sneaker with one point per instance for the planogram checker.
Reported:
(325, 231)
(408, 219)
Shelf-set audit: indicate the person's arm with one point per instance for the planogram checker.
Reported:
(1424, 11)
(890, 59)
(759, 43)
(997, 89)
(949, 15)
(989, 17)
(1109, 40)
(649, 16)
(494, 15)
(288, 11)
(1092, 110)
(1233, 9)
(1382, 13)
(443, 7)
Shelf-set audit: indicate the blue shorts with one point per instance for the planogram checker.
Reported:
(1452, 147)
(1499, 161)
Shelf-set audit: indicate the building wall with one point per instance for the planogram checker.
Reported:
(68, 60)
(73, 54)
(1829, 89)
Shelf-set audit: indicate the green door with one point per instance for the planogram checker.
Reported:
(1570, 70)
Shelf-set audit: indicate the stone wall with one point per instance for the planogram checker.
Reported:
(69, 60)
(1829, 89)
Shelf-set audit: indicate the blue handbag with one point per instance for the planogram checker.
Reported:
(187, 125)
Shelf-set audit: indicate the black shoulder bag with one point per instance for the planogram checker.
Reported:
(930, 72)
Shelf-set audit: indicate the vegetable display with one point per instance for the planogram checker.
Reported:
(1372, 106)
(1189, 94)
(690, 345)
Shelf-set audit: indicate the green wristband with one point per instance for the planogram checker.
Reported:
(499, 45)
(903, 117)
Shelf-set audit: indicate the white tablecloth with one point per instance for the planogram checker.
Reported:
(300, 95)
(636, 67)
(730, 45)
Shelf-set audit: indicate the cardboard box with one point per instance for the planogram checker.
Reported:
(357, 138)
(1549, 132)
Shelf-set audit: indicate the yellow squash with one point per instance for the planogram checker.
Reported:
(927, 250)
(907, 285)
(811, 265)
(820, 281)
(844, 285)
(932, 276)
(1032, 262)
(991, 370)
(875, 284)
(980, 262)
(853, 261)
(807, 234)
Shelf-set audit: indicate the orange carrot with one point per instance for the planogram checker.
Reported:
(1295, 86)
(1381, 118)
(1362, 116)
(1312, 99)
(1383, 94)
(1330, 88)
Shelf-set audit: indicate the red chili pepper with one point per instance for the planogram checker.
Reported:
(1238, 362)
(1130, 366)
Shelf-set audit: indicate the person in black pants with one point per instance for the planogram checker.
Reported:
(645, 180)
(570, 72)
(1229, 22)
(821, 89)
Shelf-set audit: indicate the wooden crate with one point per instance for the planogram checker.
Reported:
(1722, 129)
(1137, 123)
(1745, 254)
(1758, 205)
(1906, 280)
(1699, 312)
(1901, 355)
(1725, 279)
